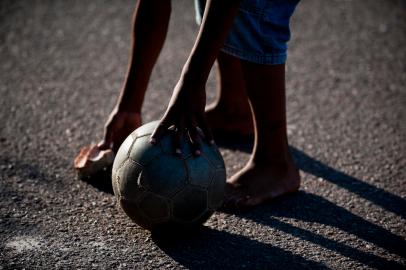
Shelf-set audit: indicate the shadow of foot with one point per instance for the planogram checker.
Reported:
(213, 249)
(315, 209)
(384, 199)
(378, 196)
(101, 181)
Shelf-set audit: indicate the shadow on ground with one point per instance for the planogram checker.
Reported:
(220, 249)
(380, 197)
(213, 249)
(101, 181)
(315, 209)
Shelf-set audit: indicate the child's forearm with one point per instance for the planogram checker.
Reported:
(217, 21)
(150, 26)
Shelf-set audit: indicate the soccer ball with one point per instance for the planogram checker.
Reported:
(157, 189)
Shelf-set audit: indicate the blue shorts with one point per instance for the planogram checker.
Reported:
(260, 31)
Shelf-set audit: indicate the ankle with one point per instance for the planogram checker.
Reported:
(281, 163)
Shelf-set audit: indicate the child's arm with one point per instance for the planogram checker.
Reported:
(217, 20)
(186, 107)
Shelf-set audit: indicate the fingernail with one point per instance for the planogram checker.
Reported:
(152, 141)
(198, 152)
(178, 151)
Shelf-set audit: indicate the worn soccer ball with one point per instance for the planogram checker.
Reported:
(157, 189)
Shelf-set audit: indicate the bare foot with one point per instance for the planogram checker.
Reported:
(92, 160)
(95, 159)
(254, 185)
(223, 121)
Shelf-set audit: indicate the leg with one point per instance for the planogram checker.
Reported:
(270, 172)
(230, 113)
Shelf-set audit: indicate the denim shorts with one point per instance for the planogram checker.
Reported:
(260, 31)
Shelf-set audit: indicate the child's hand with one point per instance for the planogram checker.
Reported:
(117, 128)
(185, 112)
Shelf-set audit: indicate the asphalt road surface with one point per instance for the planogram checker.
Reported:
(61, 66)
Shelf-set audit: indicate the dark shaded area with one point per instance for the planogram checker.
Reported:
(375, 195)
(186, 247)
(312, 166)
(101, 181)
(318, 210)
(310, 208)
(313, 208)
(234, 141)
(224, 250)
